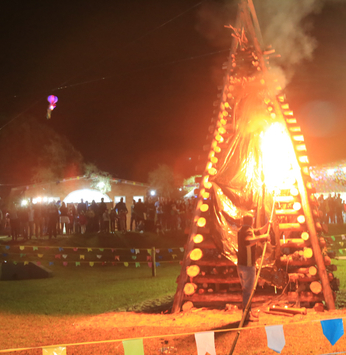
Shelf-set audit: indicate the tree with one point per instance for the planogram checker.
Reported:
(165, 181)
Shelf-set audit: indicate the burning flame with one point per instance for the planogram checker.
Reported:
(279, 159)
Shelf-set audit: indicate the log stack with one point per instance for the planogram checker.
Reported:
(208, 278)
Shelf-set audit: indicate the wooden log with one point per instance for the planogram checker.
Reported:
(216, 279)
(196, 254)
(286, 199)
(315, 287)
(307, 270)
(319, 307)
(281, 314)
(288, 212)
(302, 277)
(305, 236)
(332, 268)
(308, 253)
(327, 260)
(215, 262)
(288, 310)
(207, 244)
(190, 288)
(304, 297)
(291, 262)
(234, 297)
(291, 227)
(193, 270)
(296, 243)
(187, 306)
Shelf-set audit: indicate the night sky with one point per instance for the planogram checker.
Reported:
(136, 80)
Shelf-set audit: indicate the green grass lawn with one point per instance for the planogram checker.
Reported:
(86, 290)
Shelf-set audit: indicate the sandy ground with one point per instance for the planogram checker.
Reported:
(165, 333)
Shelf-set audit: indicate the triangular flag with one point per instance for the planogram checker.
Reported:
(40, 255)
(150, 264)
(132, 251)
(34, 248)
(157, 250)
(26, 262)
(101, 249)
(148, 257)
(54, 351)
(149, 251)
(38, 263)
(65, 263)
(137, 251)
(340, 251)
(134, 257)
(157, 264)
(113, 250)
(77, 263)
(51, 263)
(116, 257)
(64, 256)
(21, 247)
(133, 347)
(57, 256)
(15, 263)
(8, 247)
(138, 264)
(333, 329)
(91, 263)
(61, 249)
(81, 257)
(22, 255)
(99, 256)
(333, 238)
(205, 343)
(170, 250)
(75, 249)
(174, 256)
(89, 249)
(275, 337)
(343, 237)
(181, 249)
(126, 263)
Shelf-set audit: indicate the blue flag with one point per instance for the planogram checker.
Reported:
(333, 329)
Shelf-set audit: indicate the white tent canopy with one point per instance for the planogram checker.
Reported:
(86, 195)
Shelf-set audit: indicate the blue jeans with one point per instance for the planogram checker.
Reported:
(247, 276)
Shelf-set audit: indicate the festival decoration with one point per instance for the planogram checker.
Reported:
(275, 337)
(205, 343)
(333, 329)
(52, 104)
(133, 347)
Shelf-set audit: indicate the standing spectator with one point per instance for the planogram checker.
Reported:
(82, 222)
(53, 219)
(122, 211)
(14, 221)
(64, 219)
(134, 219)
(113, 218)
(105, 222)
(331, 209)
(23, 222)
(159, 212)
(81, 207)
(140, 211)
(31, 217)
(102, 207)
(71, 220)
(95, 220)
(38, 220)
(339, 209)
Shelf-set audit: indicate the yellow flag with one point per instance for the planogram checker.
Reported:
(81, 257)
(91, 263)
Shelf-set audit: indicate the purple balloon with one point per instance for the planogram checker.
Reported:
(52, 99)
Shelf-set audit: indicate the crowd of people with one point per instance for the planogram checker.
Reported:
(51, 219)
(333, 208)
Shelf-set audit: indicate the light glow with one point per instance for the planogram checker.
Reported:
(278, 157)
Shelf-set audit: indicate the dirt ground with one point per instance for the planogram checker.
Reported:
(165, 333)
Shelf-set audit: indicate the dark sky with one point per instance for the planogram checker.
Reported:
(155, 102)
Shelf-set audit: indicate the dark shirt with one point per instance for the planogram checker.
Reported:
(246, 253)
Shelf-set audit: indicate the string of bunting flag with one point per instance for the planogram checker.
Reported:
(332, 329)
(92, 256)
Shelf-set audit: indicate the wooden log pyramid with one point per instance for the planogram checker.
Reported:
(208, 277)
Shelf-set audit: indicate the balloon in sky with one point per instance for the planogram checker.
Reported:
(52, 101)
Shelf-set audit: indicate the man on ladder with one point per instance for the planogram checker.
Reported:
(246, 258)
